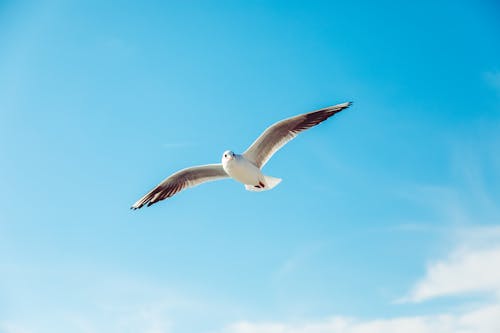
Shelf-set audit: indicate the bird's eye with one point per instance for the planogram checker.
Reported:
(225, 155)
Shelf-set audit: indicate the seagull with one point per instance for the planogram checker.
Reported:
(245, 168)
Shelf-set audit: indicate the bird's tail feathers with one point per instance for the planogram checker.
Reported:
(269, 183)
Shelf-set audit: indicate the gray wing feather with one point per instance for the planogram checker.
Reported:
(277, 135)
(181, 180)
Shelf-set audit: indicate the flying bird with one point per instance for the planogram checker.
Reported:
(247, 167)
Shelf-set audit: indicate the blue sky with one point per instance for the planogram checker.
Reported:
(387, 218)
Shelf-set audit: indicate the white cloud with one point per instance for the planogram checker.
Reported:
(464, 272)
(482, 320)
(471, 268)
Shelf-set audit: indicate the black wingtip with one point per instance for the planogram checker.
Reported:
(338, 107)
(344, 106)
(348, 104)
(133, 207)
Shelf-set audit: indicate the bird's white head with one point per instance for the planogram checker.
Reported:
(228, 156)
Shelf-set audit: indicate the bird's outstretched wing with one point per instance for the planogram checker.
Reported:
(181, 180)
(277, 135)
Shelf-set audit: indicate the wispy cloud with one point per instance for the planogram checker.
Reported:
(90, 301)
(493, 80)
(295, 261)
(8, 327)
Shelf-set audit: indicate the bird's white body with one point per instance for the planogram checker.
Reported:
(242, 170)
(246, 172)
